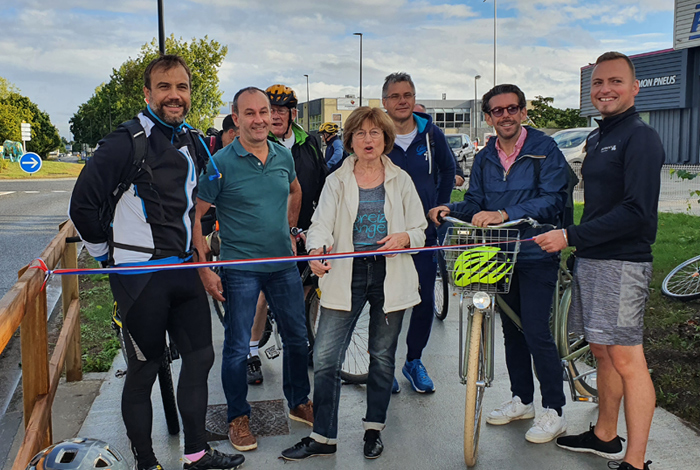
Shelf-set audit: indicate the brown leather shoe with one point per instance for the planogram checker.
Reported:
(303, 413)
(240, 436)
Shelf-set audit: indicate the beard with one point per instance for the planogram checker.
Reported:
(158, 110)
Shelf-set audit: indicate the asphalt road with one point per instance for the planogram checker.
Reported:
(30, 212)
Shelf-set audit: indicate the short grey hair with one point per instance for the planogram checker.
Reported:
(396, 77)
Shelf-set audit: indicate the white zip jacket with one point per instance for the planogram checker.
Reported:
(332, 225)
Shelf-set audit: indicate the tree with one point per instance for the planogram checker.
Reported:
(121, 98)
(45, 136)
(543, 114)
(6, 87)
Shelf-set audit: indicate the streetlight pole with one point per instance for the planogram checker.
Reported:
(495, 37)
(360, 34)
(308, 105)
(476, 107)
(161, 28)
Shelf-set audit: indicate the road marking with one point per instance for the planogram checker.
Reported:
(59, 191)
(2, 193)
(31, 192)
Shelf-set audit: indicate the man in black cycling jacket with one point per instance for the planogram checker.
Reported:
(152, 225)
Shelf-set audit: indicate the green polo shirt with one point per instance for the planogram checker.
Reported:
(251, 204)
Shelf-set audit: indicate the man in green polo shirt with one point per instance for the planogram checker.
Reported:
(257, 195)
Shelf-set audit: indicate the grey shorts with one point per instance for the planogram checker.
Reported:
(608, 300)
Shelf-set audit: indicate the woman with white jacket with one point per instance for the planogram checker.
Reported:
(367, 204)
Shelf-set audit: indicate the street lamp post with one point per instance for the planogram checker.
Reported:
(360, 34)
(308, 105)
(495, 36)
(476, 107)
(161, 29)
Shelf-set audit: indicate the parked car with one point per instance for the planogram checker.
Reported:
(464, 150)
(571, 142)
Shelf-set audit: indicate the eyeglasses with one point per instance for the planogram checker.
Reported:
(374, 134)
(280, 111)
(397, 97)
(498, 112)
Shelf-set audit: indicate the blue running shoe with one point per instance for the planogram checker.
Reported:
(416, 374)
(395, 388)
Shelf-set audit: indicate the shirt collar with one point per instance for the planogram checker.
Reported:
(518, 144)
(242, 152)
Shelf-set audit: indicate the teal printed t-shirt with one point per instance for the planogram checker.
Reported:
(370, 223)
(251, 204)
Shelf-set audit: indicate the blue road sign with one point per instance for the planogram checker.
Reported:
(30, 162)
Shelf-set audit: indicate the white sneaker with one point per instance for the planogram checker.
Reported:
(510, 411)
(548, 426)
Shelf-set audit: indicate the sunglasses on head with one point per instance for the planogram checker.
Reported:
(498, 112)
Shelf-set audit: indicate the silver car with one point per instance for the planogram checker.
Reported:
(463, 149)
(572, 141)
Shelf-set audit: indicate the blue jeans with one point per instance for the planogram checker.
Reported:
(531, 292)
(422, 314)
(284, 292)
(332, 338)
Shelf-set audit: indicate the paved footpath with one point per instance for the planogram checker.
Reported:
(423, 431)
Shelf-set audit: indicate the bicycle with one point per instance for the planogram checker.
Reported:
(683, 282)
(355, 368)
(165, 377)
(441, 304)
(484, 281)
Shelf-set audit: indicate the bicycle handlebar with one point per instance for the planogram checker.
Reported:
(511, 223)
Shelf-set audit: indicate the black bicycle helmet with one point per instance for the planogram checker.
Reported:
(78, 454)
(281, 95)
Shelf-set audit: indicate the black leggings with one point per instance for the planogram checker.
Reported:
(151, 304)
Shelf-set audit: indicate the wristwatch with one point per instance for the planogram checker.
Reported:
(295, 231)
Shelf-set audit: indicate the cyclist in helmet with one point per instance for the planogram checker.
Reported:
(335, 154)
(520, 174)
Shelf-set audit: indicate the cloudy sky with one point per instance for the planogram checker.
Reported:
(58, 51)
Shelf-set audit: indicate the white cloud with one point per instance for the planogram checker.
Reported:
(74, 44)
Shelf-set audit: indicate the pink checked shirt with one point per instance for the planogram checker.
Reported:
(507, 160)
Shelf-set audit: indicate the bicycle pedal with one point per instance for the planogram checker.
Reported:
(272, 352)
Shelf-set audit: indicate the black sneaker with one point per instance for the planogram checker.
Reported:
(308, 448)
(626, 466)
(373, 444)
(589, 442)
(255, 376)
(217, 460)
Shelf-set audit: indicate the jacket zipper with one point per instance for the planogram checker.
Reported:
(506, 172)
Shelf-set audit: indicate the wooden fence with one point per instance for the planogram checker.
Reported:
(24, 307)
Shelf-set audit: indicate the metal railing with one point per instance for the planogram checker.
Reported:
(24, 307)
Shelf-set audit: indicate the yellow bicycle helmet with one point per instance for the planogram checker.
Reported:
(281, 95)
(482, 265)
(329, 128)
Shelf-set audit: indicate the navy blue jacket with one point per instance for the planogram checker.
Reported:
(516, 191)
(433, 172)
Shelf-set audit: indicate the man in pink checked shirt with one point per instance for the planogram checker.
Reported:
(521, 174)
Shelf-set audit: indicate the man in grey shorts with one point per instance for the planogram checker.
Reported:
(613, 260)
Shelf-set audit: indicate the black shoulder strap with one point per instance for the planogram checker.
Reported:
(139, 143)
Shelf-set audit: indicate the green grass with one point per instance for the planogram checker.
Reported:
(99, 343)
(49, 169)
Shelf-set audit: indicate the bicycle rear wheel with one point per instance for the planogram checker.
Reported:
(442, 289)
(167, 392)
(574, 350)
(683, 282)
(476, 370)
(355, 368)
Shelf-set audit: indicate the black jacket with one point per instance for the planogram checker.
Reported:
(311, 172)
(156, 214)
(622, 179)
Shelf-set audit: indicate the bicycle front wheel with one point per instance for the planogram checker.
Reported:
(355, 367)
(167, 391)
(442, 290)
(683, 283)
(476, 370)
(580, 362)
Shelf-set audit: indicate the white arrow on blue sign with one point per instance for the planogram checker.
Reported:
(30, 162)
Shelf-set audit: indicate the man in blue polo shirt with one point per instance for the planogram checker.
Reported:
(257, 195)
